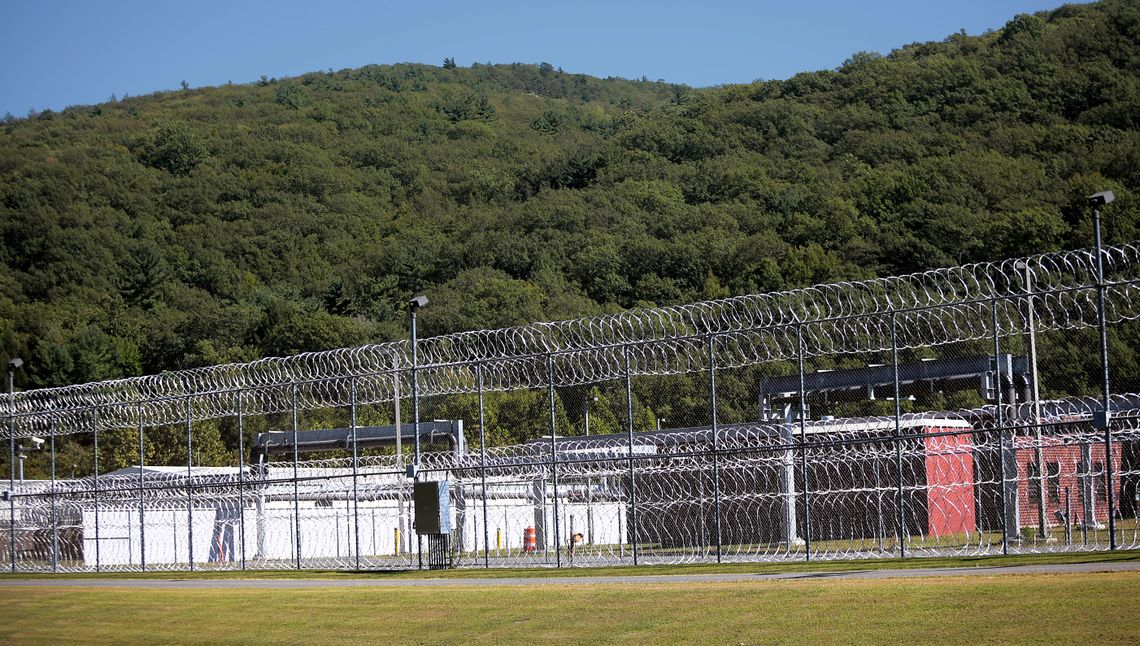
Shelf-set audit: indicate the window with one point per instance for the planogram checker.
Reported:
(1033, 483)
(1098, 476)
(1054, 481)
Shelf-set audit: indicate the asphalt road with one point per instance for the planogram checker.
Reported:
(1068, 568)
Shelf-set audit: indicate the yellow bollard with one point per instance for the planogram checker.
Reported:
(499, 538)
(396, 542)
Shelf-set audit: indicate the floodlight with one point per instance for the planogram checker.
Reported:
(1101, 198)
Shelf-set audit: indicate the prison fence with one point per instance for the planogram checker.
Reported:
(960, 411)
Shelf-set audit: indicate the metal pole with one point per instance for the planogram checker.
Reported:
(296, 487)
(716, 449)
(95, 452)
(241, 474)
(554, 459)
(401, 525)
(54, 515)
(483, 465)
(900, 532)
(142, 491)
(629, 436)
(803, 441)
(880, 528)
(355, 473)
(1039, 454)
(586, 416)
(415, 394)
(189, 486)
(998, 385)
(12, 464)
(589, 481)
(416, 423)
(1103, 323)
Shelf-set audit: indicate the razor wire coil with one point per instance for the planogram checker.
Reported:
(925, 309)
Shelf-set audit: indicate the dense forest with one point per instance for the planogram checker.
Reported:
(223, 224)
(227, 223)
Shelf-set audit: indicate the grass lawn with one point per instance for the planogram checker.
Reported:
(1093, 608)
(628, 570)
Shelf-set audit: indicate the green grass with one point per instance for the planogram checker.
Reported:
(1094, 608)
(627, 570)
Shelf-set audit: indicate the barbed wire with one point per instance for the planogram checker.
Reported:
(926, 309)
(855, 468)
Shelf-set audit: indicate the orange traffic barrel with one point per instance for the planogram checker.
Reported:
(530, 544)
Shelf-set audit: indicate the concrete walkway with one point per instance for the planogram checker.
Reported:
(380, 582)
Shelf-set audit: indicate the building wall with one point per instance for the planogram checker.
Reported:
(1065, 470)
(950, 482)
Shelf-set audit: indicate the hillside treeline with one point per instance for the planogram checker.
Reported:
(227, 223)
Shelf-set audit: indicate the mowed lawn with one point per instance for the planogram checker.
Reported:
(1055, 608)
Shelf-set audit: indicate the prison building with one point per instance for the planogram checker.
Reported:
(1073, 479)
(852, 469)
(591, 496)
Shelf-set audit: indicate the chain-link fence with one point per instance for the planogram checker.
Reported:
(959, 411)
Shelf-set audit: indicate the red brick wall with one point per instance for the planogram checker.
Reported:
(950, 482)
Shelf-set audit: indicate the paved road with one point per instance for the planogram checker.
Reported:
(1069, 568)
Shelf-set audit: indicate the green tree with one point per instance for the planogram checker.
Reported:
(174, 148)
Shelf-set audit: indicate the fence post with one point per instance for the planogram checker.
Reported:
(483, 464)
(241, 474)
(716, 450)
(1104, 421)
(900, 531)
(189, 486)
(803, 441)
(54, 514)
(554, 459)
(629, 437)
(296, 487)
(11, 472)
(95, 454)
(1000, 419)
(142, 491)
(355, 474)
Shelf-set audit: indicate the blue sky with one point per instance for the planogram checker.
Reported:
(57, 53)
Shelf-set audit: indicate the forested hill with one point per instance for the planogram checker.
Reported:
(226, 223)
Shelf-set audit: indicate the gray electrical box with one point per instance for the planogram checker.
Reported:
(433, 508)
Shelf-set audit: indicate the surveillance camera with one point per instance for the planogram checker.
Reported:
(1101, 198)
(15, 362)
(38, 441)
(418, 302)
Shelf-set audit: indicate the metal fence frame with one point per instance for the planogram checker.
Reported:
(937, 308)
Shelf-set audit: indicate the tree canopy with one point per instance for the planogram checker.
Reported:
(222, 224)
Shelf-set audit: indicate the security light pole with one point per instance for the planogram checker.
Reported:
(414, 471)
(413, 306)
(1096, 201)
(1030, 317)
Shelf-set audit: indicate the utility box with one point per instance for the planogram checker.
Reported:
(433, 508)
